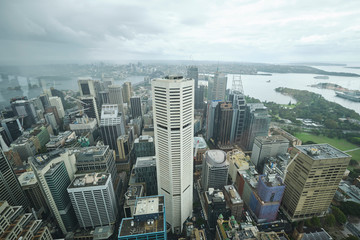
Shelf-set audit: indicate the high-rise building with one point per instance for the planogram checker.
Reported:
(148, 222)
(54, 171)
(56, 102)
(312, 178)
(256, 123)
(87, 87)
(215, 170)
(10, 188)
(50, 119)
(106, 82)
(174, 145)
(33, 193)
(210, 119)
(44, 98)
(12, 128)
(95, 159)
(237, 98)
(104, 97)
(262, 194)
(53, 110)
(136, 107)
(123, 147)
(127, 92)
(199, 97)
(93, 198)
(144, 146)
(217, 87)
(193, 72)
(144, 171)
(26, 110)
(111, 125)
(15, 224)
(115, 96)
(223, 123)
(24, 147)
(267, 146)
(84, 124)
(90, 108)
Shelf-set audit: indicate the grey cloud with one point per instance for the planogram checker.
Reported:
(66, 30)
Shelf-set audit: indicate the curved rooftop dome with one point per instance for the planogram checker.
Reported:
(216, 158)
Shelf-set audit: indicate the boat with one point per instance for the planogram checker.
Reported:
(321, 77)
(268, 81)
(350, 95)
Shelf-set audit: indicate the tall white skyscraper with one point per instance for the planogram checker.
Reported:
(173, 106)
(56, 102)
(115, 97)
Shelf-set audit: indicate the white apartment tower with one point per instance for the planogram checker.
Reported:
(173, 106)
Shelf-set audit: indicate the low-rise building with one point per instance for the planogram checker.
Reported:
(133, 192)
(148, 222)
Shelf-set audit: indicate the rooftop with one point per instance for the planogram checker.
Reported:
(217, 158)
(134, 191)
(109, 111)
(149, 205)
(272, 139)
(89, 180)
(41, 160)
(90, 154)
(234, 195)
(148, 217)
(129, 227)
(322, 151)
(27, 178)
(145, 162)
(144, 138)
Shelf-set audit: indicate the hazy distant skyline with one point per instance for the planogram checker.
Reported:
(277, 31)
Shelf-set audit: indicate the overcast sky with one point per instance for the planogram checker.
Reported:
(278, 31)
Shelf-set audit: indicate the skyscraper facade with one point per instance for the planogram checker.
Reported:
(54, 171)
(193, 72)
(136, 107)
(127, 92)
(173, 106)
(215, 170)
(56, 102)
(312, 179)
(91, 108)
(210, 118)
(222, 123)
(10, 189)
(238, 102)
(111, 125)
(256, 123)
(93, 198)
(116, 97)
(267, 146)
(217, 87)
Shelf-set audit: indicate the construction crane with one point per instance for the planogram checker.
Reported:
(75, 99)
(81, 110)
(285, 171)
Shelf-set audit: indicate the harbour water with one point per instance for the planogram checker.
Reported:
(257, 86)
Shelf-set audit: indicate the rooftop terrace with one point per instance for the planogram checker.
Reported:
(322, 151)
